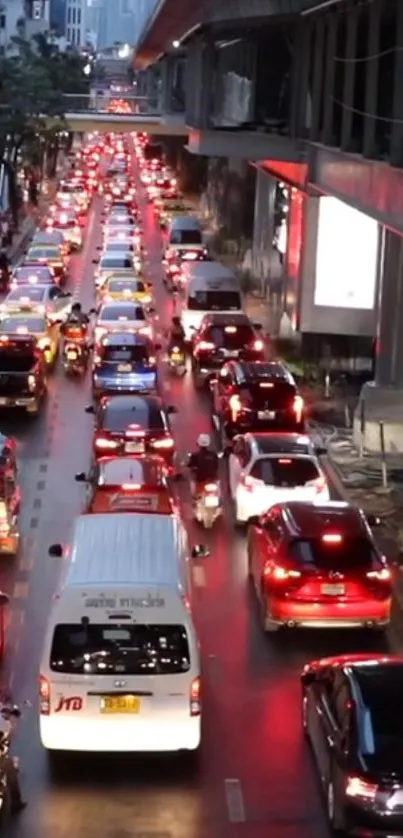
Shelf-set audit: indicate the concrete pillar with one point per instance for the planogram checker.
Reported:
(165, 90)
(372, 78)
(329, 79)
(396, 140)
(382, 400)
(318, 75)
(300, 79)
(263, 228)
(207, 79)
(349, 78)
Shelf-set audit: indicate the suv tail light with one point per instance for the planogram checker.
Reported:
(298, 408)
(258, 345)
(105, 444)
(163, 443)
(205, 346)
(383, 575)
(278, 573)
(195, 697)
(356, 787)
(44, 696)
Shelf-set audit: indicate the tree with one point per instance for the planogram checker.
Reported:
(33, 81)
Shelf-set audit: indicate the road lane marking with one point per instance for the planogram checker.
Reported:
(26, 564)
(199, 577)
(20, 590)
(234, 799)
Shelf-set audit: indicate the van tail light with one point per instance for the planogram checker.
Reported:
(298, 407)
(104, 444)
(44, 696)
(278, 573)
(356, 787)
(383, 575)
(205, 346)
(195, 697)
(163, 443)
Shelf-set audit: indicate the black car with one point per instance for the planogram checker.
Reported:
(133, 425)
(221, 337)
(352, 717)
(261, 396)
(22, 373)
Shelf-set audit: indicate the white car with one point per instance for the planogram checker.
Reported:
(269, 468)
(43, 299)
(123, 317)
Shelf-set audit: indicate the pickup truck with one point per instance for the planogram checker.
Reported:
(22, 373)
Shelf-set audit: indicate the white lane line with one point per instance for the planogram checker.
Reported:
(199, 577)
(234, 800)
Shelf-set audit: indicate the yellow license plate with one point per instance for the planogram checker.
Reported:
(120, 704)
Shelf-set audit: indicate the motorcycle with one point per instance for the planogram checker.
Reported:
(75, 358)
(208, 505)
(177, 360)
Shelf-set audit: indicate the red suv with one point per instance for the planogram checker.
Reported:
(318, 566)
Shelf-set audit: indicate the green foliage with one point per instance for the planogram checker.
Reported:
(32, 82)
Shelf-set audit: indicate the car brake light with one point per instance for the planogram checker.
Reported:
(103, 443)
(258, 345)
(235, 406)
(298, 406)
(279, 573)
(163, 443)
(130, 487)
(3, 339)
(145, 331)
(205, 345)
(356, 787)
(211, 487)
(195, 697)
(383, 575)
(332, 538)
(44, 696)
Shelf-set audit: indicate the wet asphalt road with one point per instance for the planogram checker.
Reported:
(255, 776)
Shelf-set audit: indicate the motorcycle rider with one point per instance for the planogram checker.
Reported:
(75, 329)
(203, 465)
(176, 335)
(8, 766)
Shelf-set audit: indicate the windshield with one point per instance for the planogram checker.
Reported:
(117, 649)
(215, 301)
(382, 693)
(352, 553)
(229, 337)
(31, 273)
(17, 358)
(139, 415)
(285, 472)
(34, 325)
(33, 293)
(119, 285)
(114, 262)
(185, 237)
(124, 354)
(124, 312)
(43, 253)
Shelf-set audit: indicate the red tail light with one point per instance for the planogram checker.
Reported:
(278, 573)
(356, 787)
(163, 443)
(211, 487)
(103, 444)
(195, 697)
(383, 575)
(235, 406)
(205, 345)
(258, 345)
(44, 696)
(298, 407)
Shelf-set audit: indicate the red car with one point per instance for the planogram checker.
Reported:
(133, 425)
(128, 484)
(318, 566)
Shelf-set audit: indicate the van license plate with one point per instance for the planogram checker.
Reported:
(120, 704)
(266, 414)
(333, 590)
(134, 447)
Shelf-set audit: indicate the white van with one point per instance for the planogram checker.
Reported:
(120, 669)
(208, 287)
(185, 233)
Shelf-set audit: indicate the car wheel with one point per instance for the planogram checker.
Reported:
(333, 812)
(268, 626)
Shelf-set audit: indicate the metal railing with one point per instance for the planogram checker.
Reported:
(103, 103)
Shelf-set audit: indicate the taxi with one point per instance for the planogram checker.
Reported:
(43, 299)
(131, 289)
(128, 484)
(67, 222)
(48, 255)
(28, 274)
(167, 210)
(47, 334)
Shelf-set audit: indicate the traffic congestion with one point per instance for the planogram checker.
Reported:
(196, 633)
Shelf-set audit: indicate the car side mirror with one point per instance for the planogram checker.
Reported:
(80, 477)
(200, 551)
(320, 450)
(171, 410)
(93, 311)
(95, 261)
(90, 409)
(56, 551)
(374, 520)
(4, 599)
(258, 326)
(254, 521)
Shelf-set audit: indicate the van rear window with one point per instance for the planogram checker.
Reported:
(215, 301)
(119, 649)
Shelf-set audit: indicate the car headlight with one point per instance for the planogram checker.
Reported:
(31, 383)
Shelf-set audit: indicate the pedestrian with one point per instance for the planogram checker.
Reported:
(8, 765)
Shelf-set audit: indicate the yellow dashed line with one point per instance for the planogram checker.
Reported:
(26, 563)
(21, 590)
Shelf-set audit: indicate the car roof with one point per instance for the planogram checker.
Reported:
(126, 339)
(118, 470)
(47, 238)
(128, 402)
(24, 315)
(250, 372)
(113, 254)
(223, 319)
(279, 443)
(309, 520)
(185, 222)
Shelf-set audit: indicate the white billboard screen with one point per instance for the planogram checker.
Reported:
(346, 257)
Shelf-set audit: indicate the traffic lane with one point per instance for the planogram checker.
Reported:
(250, 685)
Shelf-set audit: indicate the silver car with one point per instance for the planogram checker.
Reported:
(112, 262)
